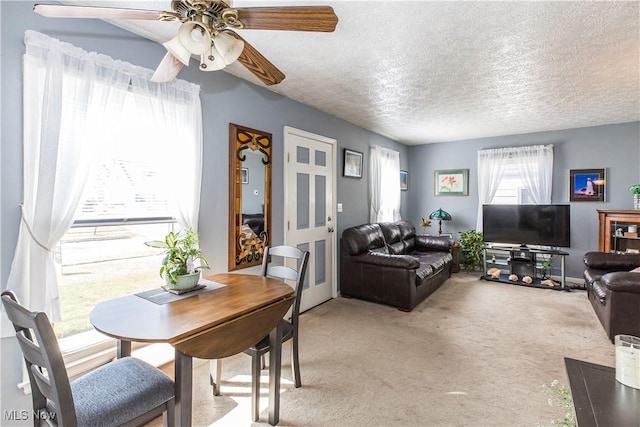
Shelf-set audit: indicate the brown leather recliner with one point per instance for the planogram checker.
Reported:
(387, 263)
(614, 291)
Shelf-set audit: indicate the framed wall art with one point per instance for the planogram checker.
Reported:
(245, 175)
(452, 182)
(587, 185)
(352, 164)
(404, 180)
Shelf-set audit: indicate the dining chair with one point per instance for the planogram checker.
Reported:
(127, 391)
(289, 326)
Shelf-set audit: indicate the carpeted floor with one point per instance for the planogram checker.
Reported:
(475, 353)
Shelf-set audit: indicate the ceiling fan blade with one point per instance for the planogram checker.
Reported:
(64, 11)
(258, 64)
(294, 18)
(168, 69)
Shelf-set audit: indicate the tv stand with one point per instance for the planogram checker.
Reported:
(524, 261)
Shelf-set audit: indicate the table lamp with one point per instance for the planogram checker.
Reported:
(440, 215)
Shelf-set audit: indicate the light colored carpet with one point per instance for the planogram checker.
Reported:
(475, 353)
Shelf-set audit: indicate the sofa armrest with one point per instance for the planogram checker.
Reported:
(385, 260)
(611, 262)
(433, 243)
(622, 281)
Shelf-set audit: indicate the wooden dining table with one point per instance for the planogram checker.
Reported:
(233, 313)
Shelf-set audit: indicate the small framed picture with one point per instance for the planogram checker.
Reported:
(449, 235)
(245, 175)
(352, 164)
(587, 185)
(404, 180)
(452, 182)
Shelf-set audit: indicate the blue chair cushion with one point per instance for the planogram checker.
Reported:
(119, 392)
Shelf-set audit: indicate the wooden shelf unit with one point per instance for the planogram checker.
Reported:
(610, 220)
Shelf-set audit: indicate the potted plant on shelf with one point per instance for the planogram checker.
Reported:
(181, 255)
(471, 244)
(635, 190)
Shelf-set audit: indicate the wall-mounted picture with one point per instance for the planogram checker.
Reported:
(452, 182)
(404, 180)
(245, 175)
(352, 164)
(587, 185)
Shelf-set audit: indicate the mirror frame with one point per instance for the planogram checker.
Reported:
(247, 250)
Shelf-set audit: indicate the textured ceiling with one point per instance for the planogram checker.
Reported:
(421, 72)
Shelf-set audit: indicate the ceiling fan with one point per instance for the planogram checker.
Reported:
(207, 31)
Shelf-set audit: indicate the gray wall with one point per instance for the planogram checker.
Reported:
(225, 99)
(613, 147)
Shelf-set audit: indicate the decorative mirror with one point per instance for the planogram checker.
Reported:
(249, 196)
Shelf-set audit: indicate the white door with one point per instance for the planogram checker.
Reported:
(309, 214)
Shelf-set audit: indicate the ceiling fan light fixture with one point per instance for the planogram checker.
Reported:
(230, 47)
(195, 37)
(212, 60)
(177, 49)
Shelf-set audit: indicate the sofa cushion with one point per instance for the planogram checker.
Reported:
(397, 248)
(593, 275)
(437, 260)
(600, 291)
(380, 250)
(423, 272)
(363, 238)
(391, 232)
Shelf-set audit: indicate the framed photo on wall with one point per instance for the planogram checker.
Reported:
(451, 182)
(587, 185)
(352, 164)
(245, 175)
(404, 180)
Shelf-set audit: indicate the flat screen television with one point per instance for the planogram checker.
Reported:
(543, 225)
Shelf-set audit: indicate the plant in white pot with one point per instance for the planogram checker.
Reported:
(182, 252)
(635, 190)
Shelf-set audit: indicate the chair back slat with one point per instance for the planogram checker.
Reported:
(288, 273)
(43, 382)
(282, 272)
(42, 354)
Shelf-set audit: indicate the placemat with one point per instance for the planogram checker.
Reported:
(160, 296)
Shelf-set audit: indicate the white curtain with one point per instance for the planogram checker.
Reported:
(384, 185)
(66, 93)
(533, 163)
(171, 104)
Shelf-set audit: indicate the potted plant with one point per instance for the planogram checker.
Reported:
(471, 244)
(181, 255)
(635, 190)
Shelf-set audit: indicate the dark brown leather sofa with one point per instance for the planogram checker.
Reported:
(387, 263)
(614, 291)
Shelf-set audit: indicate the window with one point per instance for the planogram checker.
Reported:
(125, 203)
(79, 108)
(511, 189)
(517, 175)
(384, 185)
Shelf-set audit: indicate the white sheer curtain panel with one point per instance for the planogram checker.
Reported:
(67, 94)
(535, 165)
(178, 117)
(384, 185)
(491, 165)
